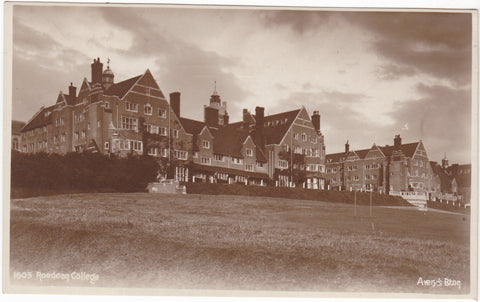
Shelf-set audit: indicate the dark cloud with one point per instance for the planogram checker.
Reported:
(439, 44)
(441, 117)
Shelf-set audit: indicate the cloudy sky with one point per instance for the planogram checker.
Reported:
(371, 75)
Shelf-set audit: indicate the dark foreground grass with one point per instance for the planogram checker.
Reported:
(237, 242)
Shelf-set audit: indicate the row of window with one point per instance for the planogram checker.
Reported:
(309, 152)
(304, 137)
(419, 163)
(147, 109)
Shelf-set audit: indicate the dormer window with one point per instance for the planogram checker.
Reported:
(147, 109)
(304, 137)
(206, 144)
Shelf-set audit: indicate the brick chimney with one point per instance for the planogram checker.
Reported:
(397, 141)
(259, 127)
(226, 119)
(175, 102)
(316, 120)
(347, 147)
(211, 116)
(72, 90)
(97, 71)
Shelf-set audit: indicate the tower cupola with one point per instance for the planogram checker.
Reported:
(107, 76)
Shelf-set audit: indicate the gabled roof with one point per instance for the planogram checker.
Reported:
(229, 140)
(407, 149)
(446, 180)
(17, 127)
(121, 88)
(277, 125)
(335, 157)
(192, 126)
(42, 118)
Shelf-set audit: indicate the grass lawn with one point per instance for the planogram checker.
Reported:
(238, 242)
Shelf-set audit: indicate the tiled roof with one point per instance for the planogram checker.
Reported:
(17, 127)
(229, 140)
(121, 88)
(445, 179)
(277, 126)
(407, 149)
(458, 171)
(42, 118)
(192, 126)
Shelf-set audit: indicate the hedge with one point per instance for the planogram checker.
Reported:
(363, 198)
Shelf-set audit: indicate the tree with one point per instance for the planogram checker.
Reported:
(296, 166)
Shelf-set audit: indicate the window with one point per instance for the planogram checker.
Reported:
(352, 168)
(206, 144)
(295, 135)
(162, 113)
(249, 167)
(137, 145)
(304, 137)
(195, 154)
(218, 157)
(162, 131)
(153, 129)
(181, 154)
(59, 121)
(99, 123)
(329, 170)
(312, 168)
(164, 152)
(131, 106)
(55, 139)
(88, 126)
(153, 151)
(237, 160)
(206, 160)
(129, 123)
(260, 164)
(283, 164)
(297, 150)
(107, 105)
(63, 137)
(313, 140)
(84, 134)
(249, 152)
(175, 133)
(75, 135)
(147, 109)
(106, 145)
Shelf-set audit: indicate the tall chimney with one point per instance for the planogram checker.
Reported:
(347, 147)
(226, 119)
(175, 102)
(72, 90)
(316, 120)
(259, 127)
(211, 116)
(397, 141)
(97, 71)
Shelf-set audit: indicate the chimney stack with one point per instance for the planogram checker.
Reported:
(175, 102)
(347, 147)
(316, 120)
(259, 127)
(211, 116)
(97, 71)
(72, 90)
(397, 141)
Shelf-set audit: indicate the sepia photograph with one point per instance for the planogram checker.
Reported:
(240, 151)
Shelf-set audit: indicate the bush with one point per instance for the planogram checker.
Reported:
(84, 172)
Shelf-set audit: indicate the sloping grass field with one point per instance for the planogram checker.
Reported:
(236, 242)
